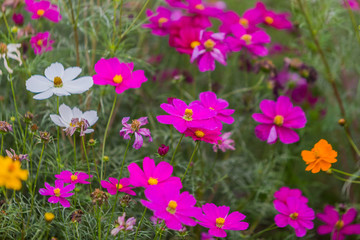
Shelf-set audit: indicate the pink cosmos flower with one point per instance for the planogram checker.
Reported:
(41, 43)
(58, 193)
(277, 120)
(183, 116)
(177, 3)
(254, 42)
(152, 175)
(186, 39)
(173, 207)
(121, 225)
(114, 185)
(77, 177)
(211, 48)
(249, 20)
(121, 75)
(354, 4)
(209, 100)
(296, 213)
(218, 219)
(43, 9)
(202, 8)
(224, 143)
(338, 226)
(273, 19)
(200, 134)
(134, 128)
(161, 20)
(206, 236)
(284, 192)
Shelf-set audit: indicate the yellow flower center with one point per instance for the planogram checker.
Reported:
(40, 12)
(220, 222)
(188, 114)
(171, 208)
(269, 20)
(279, 120)
(118, 79)
(74, 177)
(3, 48)
(119, 186)
(339, 224)
(209, 45)
(58, 82)
(294, 216)
(194, 44)
(39, 42)
(200, 6)
(153, 181)
(199, 134)
(211, 108)
(135, 125)
(57, 192)
(247, 38)
(162, 20)
(244, 22)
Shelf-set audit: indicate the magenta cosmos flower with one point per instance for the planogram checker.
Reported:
(338, 226)
(296, 213)
(200, 134)
(284, 192)
(177, 3)
(43, 9)
(161, 20)
(354, 5)
(273, 19)
(209, 100)
(41, 43)
(134, 128)
(224, 143)
(211, 48)
(249, 20)
(254, 42)
(186, 39)
(120, 75)
(77, 177)
(173, 207)
(58, 193)
(218, 219)
(114, 185)
(201, 8)
(152, 175)
(183, 116)
(277, 120)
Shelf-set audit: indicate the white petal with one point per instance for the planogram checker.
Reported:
(89, 130)
(38, 83)
(54, 70)
(44, 95)
(76, 113)
(60, 92)
(65, 113)
(71, 73)
(57, 120)
(79, 85)
(91, 117)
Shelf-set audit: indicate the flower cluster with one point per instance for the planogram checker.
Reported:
(186, 23)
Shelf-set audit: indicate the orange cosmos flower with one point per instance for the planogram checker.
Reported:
(320, 157)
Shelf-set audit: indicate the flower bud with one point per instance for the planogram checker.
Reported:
(163, 150)
(342, 122)
(49, 217)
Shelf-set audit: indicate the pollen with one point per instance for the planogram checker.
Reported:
(247, 38)
(57, 192)
(269, 20)
(119, 186)
(162, 20)
(58, 82)
(171, 208)
(40, 12)
(200, 7)
(199, 134)
(244, 22)
(194, 44)
(153, 181)
(3, 48)
(39, 42)
(339, 224)
(294, 216)
(135, 125)
(188, 114)
(279, 120)
(220, 222)
(74, 178)
(209, 45)
(118, 79)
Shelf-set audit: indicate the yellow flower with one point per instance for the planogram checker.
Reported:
(11, 173)
(49, 217)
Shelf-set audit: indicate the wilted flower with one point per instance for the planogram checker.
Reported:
(121, 225)
(41, 43)
(10, 51)
(98, 197)
(11, 154)
(45, 137)
(5, 127)
(76, 216)
(135, 128)
(28, 117)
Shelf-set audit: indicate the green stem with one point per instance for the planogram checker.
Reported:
(58, 136)
(24, 140)
(344, 173)
(4, 192)
(86, 156)
(138, 228)
(8, 28)
(191, 159)
(76, 35)
(346, 180)
(351, 141)
(270, 228)
(15, 104)
(2, 143)
(38, 168)
(75, 150)
(353, 20)
(173, 156)
(105, 135)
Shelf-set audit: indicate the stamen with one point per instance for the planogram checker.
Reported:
(39, 42)
(339, 224)
(294, 216)
(162, 20)
(171, 208)
(188, 114)
(194, 44)
(200, 7)
(199, 134)
(209, 45)
(58, 83)
(118, 79)
(153, 181)
(73, 178)
(279, 120)
(220, 222)
(247, 38)
(40, 12)
(135, 125)
(244, 22)
(119, 186)
(57, 192)
(269, 20)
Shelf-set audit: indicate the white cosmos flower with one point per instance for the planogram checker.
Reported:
(10, 51)
(59, 82)
(74, 119)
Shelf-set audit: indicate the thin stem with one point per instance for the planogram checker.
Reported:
(76, 36)
(8, 28)
(173, 156)
(191, 159)
(210, 83)
(2, 143)
(346, 180)
(351, 141)
(38, 168)
(138, 228)
(105, 135)
(58, 136)
(271, 227)
(344, 173)
(353, 21)
(14, 98)
(75, 150)
(86, 156)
